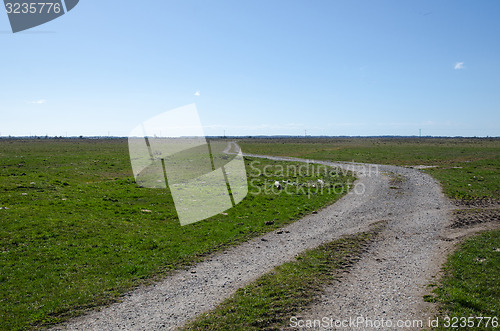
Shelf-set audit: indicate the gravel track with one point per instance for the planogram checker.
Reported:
(388, 282)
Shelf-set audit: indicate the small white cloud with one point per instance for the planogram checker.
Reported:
(459, 65)
(197, 93)
(38, 102)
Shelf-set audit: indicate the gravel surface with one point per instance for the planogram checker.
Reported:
(388, 282)
(385, 289)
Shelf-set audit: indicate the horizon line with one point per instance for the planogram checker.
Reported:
(240, 136)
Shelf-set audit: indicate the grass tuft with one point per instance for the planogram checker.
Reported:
(270, 301)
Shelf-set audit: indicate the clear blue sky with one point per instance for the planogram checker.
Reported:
(260, 67)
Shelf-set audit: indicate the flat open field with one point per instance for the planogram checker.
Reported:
(76, 231)
(466, 167)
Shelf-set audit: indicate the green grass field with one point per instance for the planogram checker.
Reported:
(471, 285)
(467, 168)
(76, 231)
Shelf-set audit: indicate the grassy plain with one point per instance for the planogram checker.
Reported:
(76, 231)
(467, 168)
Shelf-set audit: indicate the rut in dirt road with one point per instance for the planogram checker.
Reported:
(387, 282)
(385, 289)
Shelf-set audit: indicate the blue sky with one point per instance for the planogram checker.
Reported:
(259, 67)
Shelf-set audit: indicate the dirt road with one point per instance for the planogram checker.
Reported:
(388, 282)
